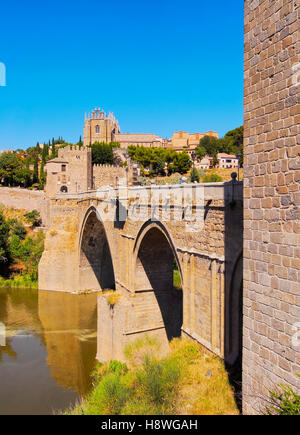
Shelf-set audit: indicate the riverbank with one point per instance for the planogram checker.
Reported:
(19, 281)
(188, 381)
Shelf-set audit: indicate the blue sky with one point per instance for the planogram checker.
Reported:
(160, 66)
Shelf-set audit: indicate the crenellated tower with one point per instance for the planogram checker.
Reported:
(99, 127)
(70, 172)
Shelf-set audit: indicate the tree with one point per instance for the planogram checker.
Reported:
(210, 144)
(195, 175)
(80, 143)
(4, 247)
(200, 152)
(102, 153)
(235, 140)
(10, 165)
(18, 229)
(182, 163)
(35, 177)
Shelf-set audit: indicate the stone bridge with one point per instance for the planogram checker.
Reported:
(130, 240)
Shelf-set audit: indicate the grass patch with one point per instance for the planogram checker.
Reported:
(188, 381)
(177, 280)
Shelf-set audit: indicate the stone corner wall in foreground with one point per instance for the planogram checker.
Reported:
(271, 345)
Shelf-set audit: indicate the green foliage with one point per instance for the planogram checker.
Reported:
(18, 229)
(4, 245)
(21, 281)
(34, 248)
(16, 248)
(16, 245)
(177, 280)
(200, 152)
(150, 388)
(110, 394)
(212, 178)
(10, 168)
(231, 143)
(155, 159)
(80, 143)
(182, 163)
(158, 382)
(284, 401)
(33, 217)
(102, 153)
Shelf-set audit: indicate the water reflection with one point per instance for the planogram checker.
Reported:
(49, 352)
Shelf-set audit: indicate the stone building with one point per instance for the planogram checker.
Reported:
(73, 172)
(70, 172)
(271, 342)
(225, 161)
(100, 127)
(183, 141)
(148, 140)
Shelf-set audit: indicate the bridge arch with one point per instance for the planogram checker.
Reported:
(96, 271)
(154, 258)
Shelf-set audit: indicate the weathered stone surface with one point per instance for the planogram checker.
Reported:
(271, 271)
(84, 250)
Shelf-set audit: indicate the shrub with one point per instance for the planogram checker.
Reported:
(158, 383)
(284, 401)
(33, 218)
(19, 230)
(16, 248)
(212, 178)
(109, 396)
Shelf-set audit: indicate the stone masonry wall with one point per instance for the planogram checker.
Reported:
(105, 175)
(25, 199)
(271, 348)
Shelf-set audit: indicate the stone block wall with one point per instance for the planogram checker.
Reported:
(105, 175)
(25, 199)
(271, 348)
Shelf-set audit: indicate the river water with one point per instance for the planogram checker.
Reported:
(48, 347)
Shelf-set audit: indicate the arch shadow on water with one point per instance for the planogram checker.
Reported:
(155, 254)
(96, 265)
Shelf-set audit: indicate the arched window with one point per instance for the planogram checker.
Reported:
(64, 189)
(97, 129)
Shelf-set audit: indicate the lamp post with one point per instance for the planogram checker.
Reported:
(238, 156)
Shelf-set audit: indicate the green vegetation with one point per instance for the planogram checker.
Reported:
(33, 217)
(20, 251)
(155, 160)
(231, 143)
(212, 178)
(19, 281)
(102, 153)
(283, 401)
(25, 168)
(177, 383)
(177, 280)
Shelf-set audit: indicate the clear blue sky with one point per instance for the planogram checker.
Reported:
(160, 66)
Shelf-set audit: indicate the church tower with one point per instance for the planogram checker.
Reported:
(99, 127)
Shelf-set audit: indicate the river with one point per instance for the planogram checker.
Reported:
(48, 347)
